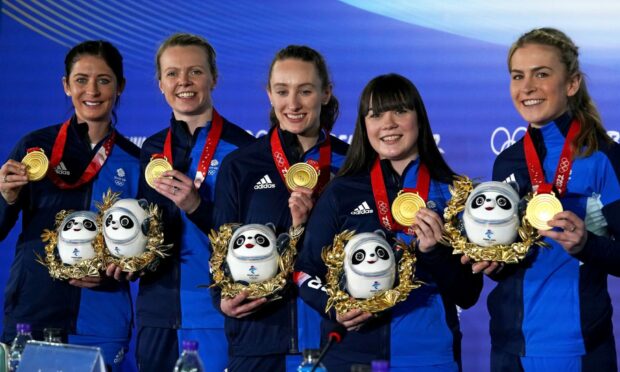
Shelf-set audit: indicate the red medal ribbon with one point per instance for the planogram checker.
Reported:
(534, 167)
(381, 197)
(213, 138)
(322, 166)
(91, 170)
(31, 149)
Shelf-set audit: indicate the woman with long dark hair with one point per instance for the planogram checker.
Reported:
(392, 149)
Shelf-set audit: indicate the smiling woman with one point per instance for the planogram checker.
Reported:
(92, 154)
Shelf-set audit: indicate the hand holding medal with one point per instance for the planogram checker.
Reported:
(13, 176)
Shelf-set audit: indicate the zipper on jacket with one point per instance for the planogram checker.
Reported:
(293, 345)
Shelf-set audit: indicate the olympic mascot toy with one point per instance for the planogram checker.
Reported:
(369, 265)
(253, 253)
(491, 214)
(125, 228)
(75, 237)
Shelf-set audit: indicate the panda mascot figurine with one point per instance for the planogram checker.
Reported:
(491, 214)
(75, 237)
(253, 253)
(369, 265)
(125, 228)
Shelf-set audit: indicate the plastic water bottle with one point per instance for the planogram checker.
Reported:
(189, 361)
(18, 345)
(310, 358)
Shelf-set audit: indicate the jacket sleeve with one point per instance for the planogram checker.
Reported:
(10, 213)
(454, 280)
(310, 270)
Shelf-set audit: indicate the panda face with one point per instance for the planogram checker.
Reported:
(252, 243)
(491, 206)
(79, 227)
(120, 224)
(371, 257)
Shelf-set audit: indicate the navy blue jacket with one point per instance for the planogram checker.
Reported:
(555, 304)
(170, 296)
(250, 190)
(424, 329)
(31, 295)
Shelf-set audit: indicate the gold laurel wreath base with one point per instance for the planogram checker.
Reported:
(270, 287)
(507, 253)
(92, 267)
(343, 302)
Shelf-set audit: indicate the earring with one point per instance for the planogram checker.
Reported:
(68, 94)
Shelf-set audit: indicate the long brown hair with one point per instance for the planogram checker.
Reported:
(580, 105)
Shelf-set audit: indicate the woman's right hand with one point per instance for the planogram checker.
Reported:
(238, 307)
(354, 319)
(12, 178)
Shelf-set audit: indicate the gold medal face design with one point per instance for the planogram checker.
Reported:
(541, 209)
(406, 206)
(301, 174)
(36, 165)
(155, 168)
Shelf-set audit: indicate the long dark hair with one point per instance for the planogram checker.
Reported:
(386, 93)
(580, 105)
(329, 111)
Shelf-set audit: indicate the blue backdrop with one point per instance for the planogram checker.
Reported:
(454, 51)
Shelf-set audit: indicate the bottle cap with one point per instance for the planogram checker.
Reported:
(190, 345)
(23, 328)
(312, 353)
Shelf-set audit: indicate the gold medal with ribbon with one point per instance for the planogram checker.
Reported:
(301, 175)
(36, 164)
(155, 168)
(406, 206)
(541, 209)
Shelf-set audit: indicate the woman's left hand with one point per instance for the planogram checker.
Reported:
(572, 235)
(180, 189)
(428, 228)
(300, 203)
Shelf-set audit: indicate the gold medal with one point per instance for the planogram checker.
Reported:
(36, 165)
(301, 175)
(155, 168)
(541, 209)
(406, 206)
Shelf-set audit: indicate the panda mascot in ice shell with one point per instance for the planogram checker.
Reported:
(253, 253)
(491, 214)
(125, 228)
(369, 265)
(75, 237)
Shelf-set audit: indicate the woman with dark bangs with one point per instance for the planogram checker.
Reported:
(392, 149)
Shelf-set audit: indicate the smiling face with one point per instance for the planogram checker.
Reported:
(93, 89)
(393, 134)
(186, 82)
(296, 94)
(248, 243)
(120, 224)
(369, 255)
(539, 84)
(492, 205)
(78, 228)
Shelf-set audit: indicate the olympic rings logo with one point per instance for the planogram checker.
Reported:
(564, 163)
(501, 138)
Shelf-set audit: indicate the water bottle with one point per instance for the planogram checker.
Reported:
(18, 345)
(189, 361)
(310, 358)
(380, 366)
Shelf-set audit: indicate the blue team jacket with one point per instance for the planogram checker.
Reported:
(250, 190)
(424, 329)
(170, 297)
(32, 296)
(555, 304)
